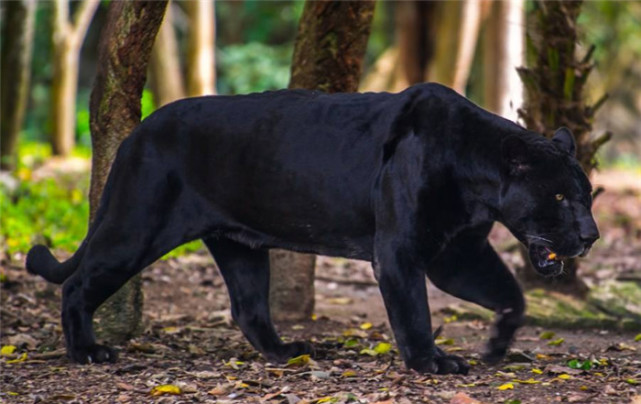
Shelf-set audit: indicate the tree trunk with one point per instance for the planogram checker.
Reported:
(328, 56)
(457, 33)
(17, 41)
(115, 110)
(503, 45)
(67, 40)
(201, 65)
(554, 81)
(165, 75)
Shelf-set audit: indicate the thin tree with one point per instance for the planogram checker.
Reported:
(67, 40)
(328, 56)
(503, 48)
(165, 76)
(17, 41)
(115, 110)
(201, 71)
(554, 81)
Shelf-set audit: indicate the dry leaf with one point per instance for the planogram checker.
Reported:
(165, 389)
(462, 398)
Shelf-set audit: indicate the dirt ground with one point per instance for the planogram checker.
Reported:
(191, 352)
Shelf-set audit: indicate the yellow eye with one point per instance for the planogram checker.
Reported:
(559, 197)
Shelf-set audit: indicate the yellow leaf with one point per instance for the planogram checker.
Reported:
(472, 362)
(314, 317)
(348, 373)
(506, 386)
(453, 349)
(444, 341)
(547, 335)
(537, 371)
(326, 399)
(339, 300)
(528, 381)
(556, 342)
(584, 388)
(7, 350)
(382, 348)
(12, 393)
(450, 319)
(165, 389)
(564, 376)
(366, 326)
(171, 330)
(298, 361)
(22, 358)
(543, 357)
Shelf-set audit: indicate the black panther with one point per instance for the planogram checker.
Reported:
(411, 182)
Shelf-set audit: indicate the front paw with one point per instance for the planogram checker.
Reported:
(92, 354)
(290, 350)
(440, 364)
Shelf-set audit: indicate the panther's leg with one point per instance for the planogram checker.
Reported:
(246, 273)
(470, 269)
(114, 254)
(402, 283)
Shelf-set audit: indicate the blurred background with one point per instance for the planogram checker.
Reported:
(246, 46)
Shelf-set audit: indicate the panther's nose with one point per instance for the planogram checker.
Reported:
(589, 238)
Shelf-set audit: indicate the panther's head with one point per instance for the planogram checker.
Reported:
(546, 199)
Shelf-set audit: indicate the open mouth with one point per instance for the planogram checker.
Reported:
(545, 260)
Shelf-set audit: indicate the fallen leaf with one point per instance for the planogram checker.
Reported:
(637, 338)
(506, 386)
(221, 390)
(632, 381)
(7, 350)
(22, 358)
(547, 335)
(298, 361)
(444, 341)
(462, 398)
(348, 373)
(556, 342)
(339, 300)
(165, 389)
(564, 376)
(382, 348)
(537, 371)
(528, 381)
(366, 326)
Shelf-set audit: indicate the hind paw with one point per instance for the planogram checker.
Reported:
(291, 350)
(93, 354)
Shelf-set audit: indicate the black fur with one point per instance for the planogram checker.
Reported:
(410, 181)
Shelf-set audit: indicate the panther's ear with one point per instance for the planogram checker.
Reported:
(515, 155)
(565, 140)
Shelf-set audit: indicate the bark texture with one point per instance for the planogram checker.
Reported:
(115, 110)
(67, 40)
(330, 45)
(201, 65)
(554, 81)
(17, 41)
(165, 75)
(328, 56)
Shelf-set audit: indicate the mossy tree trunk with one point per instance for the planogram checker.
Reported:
(17, 41)
(328, 56)
(115, 110)
(554, 81)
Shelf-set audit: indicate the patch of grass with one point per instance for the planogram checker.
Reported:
(53, 211)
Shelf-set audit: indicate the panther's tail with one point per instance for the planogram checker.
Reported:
(41, 262)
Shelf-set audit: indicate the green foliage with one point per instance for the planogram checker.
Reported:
(53, 210)
(253, 67)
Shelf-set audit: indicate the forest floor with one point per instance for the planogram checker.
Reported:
(191, 352)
